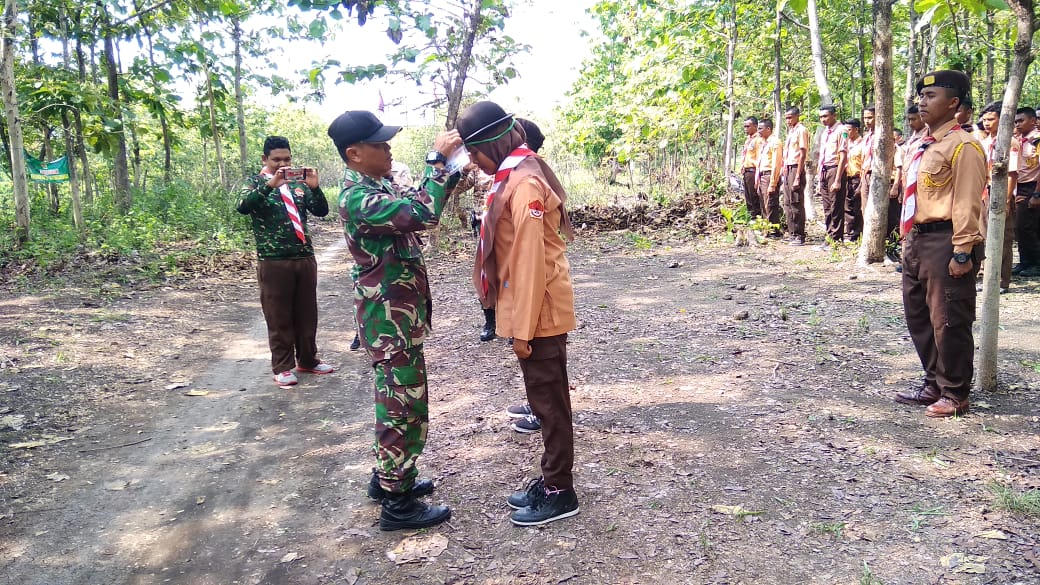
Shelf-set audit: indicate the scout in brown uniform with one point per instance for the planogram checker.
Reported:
(833, 154)
(770, 163)
(796, 150)
(867, 167)
(1027, 199)
(990, 121)
(942, 247)
(853, 170)
(748, 162)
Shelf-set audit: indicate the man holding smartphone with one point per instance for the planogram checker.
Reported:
(277, 199)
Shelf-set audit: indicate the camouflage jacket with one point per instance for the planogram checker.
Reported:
(275, 238)
(392, 292)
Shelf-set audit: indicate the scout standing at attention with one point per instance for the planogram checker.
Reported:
(393, 303)
(942, 247)
(748, 166)
(521, 267)
(278, 199)
(796, 150)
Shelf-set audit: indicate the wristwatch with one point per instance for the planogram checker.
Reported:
(433, 158)
(961, 258)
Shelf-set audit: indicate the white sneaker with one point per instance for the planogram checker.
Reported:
(318, 369)
(285, 379)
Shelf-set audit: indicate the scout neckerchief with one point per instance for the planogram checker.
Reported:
(290, 208)
(906, 220)
(515, 158)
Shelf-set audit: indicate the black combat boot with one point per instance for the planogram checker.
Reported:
(354, 345)
(488, 333)
(405, 511)
(421, 487)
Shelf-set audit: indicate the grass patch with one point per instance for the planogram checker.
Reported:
(1006, 498)
(835, 530)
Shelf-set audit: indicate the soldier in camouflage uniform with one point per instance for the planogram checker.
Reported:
(393, 303)
(286, 271)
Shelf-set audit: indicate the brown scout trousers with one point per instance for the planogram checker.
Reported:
(770, 202)
(940, 309)
(751, 199)
(833, 203)
(794, 203)
(548, 392)
(289, 298)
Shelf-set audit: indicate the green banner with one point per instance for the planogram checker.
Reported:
(56, 171)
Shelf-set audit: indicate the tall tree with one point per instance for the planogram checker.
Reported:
(14, 121)
(872, 246)
(819, 70)
(1025, 26)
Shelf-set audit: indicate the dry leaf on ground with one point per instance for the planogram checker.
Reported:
(419, 548)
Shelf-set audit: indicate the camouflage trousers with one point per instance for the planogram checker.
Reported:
(402, 417)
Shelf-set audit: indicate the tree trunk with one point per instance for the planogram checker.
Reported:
(778, 107)
(731, 49)
(14, 122)
(864, 85)
(81, 147)
(817, 55)
(872, 247)
(455, 90)
(77, 208)
(990, 320)
(53, 201)
(212, 101)
(240, 110)
(911, 60)
(120, 167)
(987, 88)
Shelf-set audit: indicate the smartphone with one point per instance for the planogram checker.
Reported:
(294, 174)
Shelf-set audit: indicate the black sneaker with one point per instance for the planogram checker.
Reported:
(527, 425)
(796, 241)
(1030, 272)
(421, 487)
(525, 497)
(1017, 269)
(519, 410)
(548, 506)
(354, 345)
(405, 512)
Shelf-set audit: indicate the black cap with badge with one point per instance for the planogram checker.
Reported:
(958, 81)
(359, 126)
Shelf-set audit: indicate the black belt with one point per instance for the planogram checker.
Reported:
(749, 169)
(764, 173)
(829, 167)
(934, 226)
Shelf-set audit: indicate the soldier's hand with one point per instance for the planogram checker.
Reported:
(1034, 202)
(835, 187)
(447, 142)
(311, 179)
(957, 270)
(521, 348)
(278, 179)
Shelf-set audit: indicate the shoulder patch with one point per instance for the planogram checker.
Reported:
(537, 209)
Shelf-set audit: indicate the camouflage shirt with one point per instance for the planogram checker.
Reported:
(392, 292)
(275, 238)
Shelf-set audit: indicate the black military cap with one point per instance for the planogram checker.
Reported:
(479, 118)
(948, 78)
(359, 126)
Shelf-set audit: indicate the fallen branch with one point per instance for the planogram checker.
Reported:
(115, 446)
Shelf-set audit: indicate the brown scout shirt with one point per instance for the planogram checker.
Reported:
(770, 158)
(833, 141)
(951, 175)
(797, 139)
(1028, 167)
(751, 148)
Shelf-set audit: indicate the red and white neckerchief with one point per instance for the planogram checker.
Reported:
(515, 158)
(290, 208)
(906, 220)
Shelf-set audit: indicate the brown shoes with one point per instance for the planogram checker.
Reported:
(922, 394)
(946, 407)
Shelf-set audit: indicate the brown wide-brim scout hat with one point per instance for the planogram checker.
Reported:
(478, 121)
(360, 126)
(948, 78)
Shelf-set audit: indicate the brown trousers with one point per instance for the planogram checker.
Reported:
(1027, 226)
(770, 201)
(548, 392)
(794, 202)
(751, 198)
(939, 310)
(833, 203)
(853, 209)
(289, 298)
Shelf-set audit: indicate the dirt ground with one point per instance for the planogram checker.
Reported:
(733, 413)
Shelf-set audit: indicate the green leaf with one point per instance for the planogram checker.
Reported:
(318, 28)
